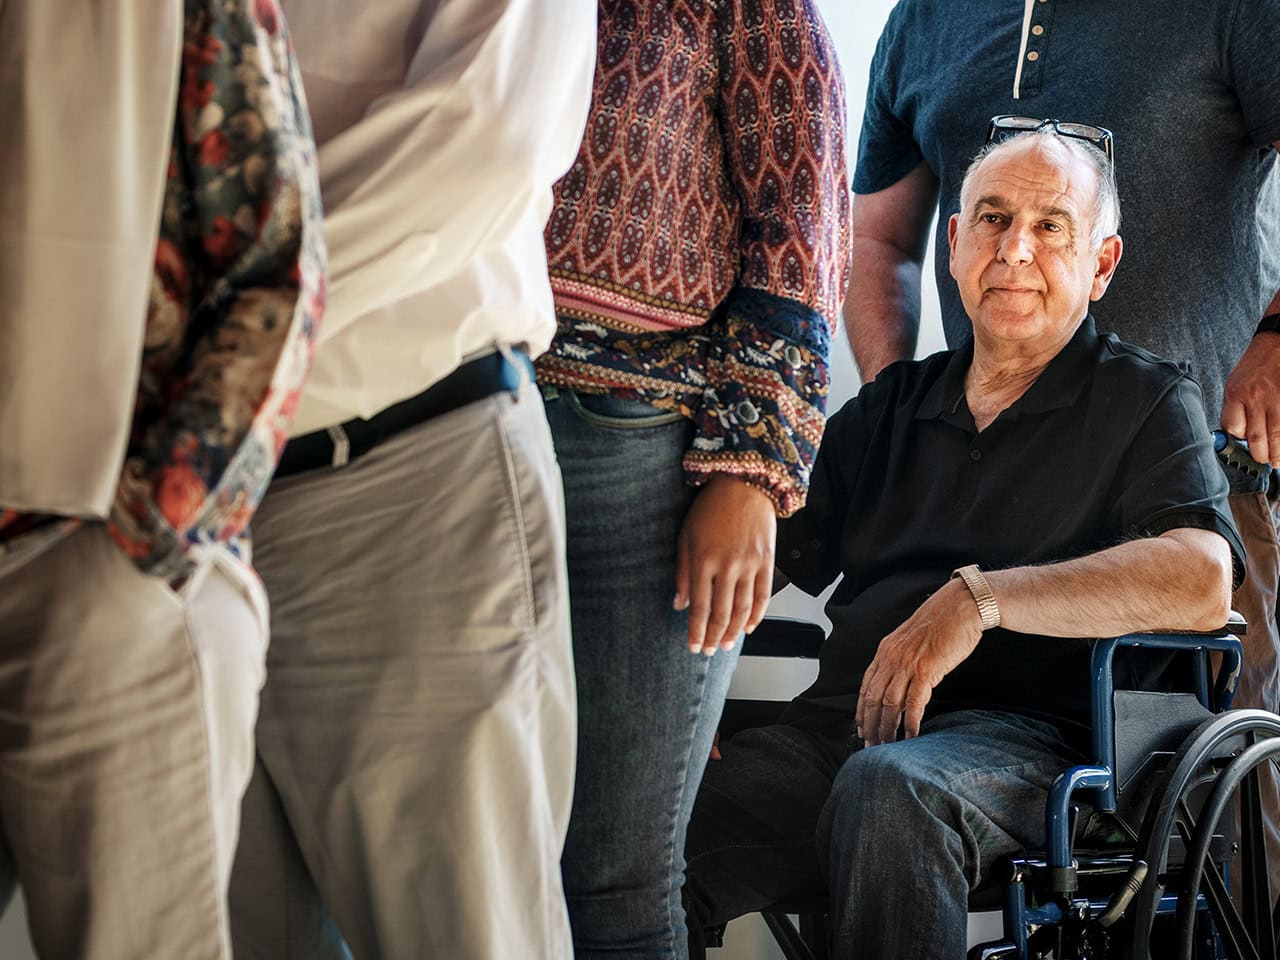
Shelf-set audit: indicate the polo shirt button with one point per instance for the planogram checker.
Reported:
(1038, 30)
(793, 355)
(795, 554)
(975, 455)
(747, 412)
(1033, 56)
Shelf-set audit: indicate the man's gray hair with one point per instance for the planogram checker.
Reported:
(1106, 204)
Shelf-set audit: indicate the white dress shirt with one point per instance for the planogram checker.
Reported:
(441, 126)
(87, 96)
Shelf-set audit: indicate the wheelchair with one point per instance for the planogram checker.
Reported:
(1182, 874)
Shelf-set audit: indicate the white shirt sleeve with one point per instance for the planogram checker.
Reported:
(422, 172)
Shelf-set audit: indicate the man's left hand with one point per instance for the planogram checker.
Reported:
(1251, 402)
(912, 660)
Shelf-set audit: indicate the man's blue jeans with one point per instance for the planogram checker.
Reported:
(900, 834)
(647, 707)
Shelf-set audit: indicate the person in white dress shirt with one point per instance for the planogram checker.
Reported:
(416, 736)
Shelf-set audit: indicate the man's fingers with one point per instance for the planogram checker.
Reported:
(1256, 434)
(919, 694)
(871, 703)
(1233, 418)
(860, 709)
(1271, 431)
(891, 703)
(715, 747)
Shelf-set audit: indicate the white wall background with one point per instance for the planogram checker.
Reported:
(855, 25)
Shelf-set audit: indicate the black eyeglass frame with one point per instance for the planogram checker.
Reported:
(1100, 137)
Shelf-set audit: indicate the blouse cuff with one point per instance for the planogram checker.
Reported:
(764, 405)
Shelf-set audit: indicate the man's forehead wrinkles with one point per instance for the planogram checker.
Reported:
(1059, 205)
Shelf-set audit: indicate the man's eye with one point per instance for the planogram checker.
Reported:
(990, 218)
(1052, 227)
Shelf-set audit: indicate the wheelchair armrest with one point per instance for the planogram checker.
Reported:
(1235, 624)
(784, 637)
(1224, 640)
(1103, 684)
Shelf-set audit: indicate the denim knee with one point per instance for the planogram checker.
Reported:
(879, 797)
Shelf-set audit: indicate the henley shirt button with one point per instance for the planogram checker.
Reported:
(747, 412)
(975, 455)
(793, 355)
(1038, 30)
(1033, 56)
(795, 554)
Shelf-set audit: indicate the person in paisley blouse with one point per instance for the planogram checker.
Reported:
(698, 252)
(161, 282)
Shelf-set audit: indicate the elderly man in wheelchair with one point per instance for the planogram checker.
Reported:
(986, 508)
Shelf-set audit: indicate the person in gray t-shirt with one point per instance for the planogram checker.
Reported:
(1191, 92)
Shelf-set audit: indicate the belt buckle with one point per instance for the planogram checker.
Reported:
(341, 445)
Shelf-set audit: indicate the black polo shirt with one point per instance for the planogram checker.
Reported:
(1108, 445)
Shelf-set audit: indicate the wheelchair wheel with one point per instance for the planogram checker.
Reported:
(1188, 832)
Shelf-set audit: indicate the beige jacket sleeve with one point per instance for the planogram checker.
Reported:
(87, 93)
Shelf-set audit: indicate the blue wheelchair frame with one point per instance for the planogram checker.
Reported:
(1100, 776)
(1056, 873)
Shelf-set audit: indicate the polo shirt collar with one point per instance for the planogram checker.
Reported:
(1057, 387)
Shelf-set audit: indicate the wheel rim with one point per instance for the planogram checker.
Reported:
(1192, 766)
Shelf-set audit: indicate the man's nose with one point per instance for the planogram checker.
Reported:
(1017, 245)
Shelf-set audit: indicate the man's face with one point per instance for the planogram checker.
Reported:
(1020, 248)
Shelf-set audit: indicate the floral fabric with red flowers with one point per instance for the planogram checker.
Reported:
(236, 297)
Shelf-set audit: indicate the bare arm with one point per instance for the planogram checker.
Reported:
(890, 235)
(1180, 580)
(1251, 401)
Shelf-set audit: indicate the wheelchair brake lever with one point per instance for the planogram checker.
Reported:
(1235, 452)
(1119, 903)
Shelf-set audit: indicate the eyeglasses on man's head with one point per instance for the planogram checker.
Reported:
(1007, 126)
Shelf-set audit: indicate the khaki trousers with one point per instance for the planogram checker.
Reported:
(417, 732)
(126, 742)
(1256, 519)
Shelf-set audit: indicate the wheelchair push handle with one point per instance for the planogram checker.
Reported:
(1235, 452)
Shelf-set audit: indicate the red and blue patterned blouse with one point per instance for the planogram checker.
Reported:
(237, 293)
(699, 245)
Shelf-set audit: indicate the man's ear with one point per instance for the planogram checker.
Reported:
(1105, 267)
(952, 227)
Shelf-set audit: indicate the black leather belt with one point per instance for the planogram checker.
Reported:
(474, 380)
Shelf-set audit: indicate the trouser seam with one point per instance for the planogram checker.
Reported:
(517, 508)
(207, 747)
(673, 904)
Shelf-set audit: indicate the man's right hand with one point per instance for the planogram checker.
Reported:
(912, 660)
(1251, 401)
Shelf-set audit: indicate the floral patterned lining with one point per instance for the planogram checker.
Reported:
(237, 294)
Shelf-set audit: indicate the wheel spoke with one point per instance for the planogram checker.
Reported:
(1231, 926)
(1253, 865)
